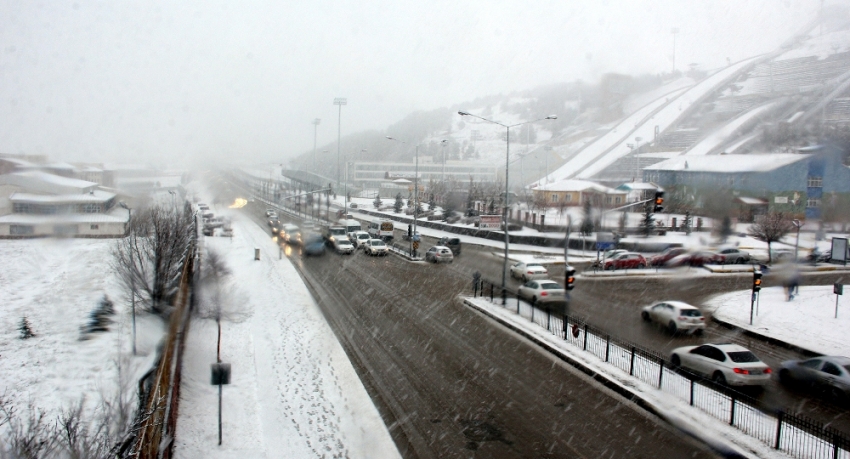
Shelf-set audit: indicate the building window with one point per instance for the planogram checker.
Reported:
(618, 200)
(812, 203)
(22, 208)
(21, 230)
(554, 198)
(65, 230)
(608, 200)
(815, 182)
(92, 208)
(568, 197)
(94, 227)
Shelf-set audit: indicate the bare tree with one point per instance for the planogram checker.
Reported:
(219, 297)
(771, 227)
(149, 260)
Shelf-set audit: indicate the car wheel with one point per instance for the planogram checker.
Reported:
(837, 395)
(672, 327)
(641, 266)
(524, 279)
(719, 378)
(698, 332)
(675, 361)
(609, 267)
(645, 316)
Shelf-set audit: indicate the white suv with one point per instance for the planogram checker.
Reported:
(359, 238)
(677, 316)
(375, 247)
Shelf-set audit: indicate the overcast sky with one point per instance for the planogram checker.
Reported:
(177, 81)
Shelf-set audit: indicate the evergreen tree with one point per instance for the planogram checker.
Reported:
(25, 328)
(725, 228)
(432, 202)
(399, 203)
(377, 202)
(687, 226)
(647, 224)
(586, 227)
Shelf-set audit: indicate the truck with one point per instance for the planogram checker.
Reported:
(350, 225)
(333, 232)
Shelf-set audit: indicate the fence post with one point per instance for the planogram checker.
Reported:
(491, 293)
(607, 346)
(835, 437)
(732, 412)
(660, 371)
(566, 327)
(548, 320)
(533, 307)
(585, 337)
(779, 417)
(692, 392)
(632, 363)
(504, 297)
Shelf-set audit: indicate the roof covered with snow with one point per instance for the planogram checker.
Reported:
(728, 163)
(630, 186)
(575, 185)
(95, 196)
(46, 182)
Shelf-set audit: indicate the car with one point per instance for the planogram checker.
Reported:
(625, 260)
(453, 243)
(826, 375)
(664, 257)
(314, 245)
(734, 256)
(353, 205)
(289, 231)
(528, 271)
(375, 247)
(696, 259)
(358, 238)
(677, 316)
(343, 246)
(275, 226)
(724, 363)
(439, 253)
(541, 291)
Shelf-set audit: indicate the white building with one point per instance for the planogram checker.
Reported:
(36, 204)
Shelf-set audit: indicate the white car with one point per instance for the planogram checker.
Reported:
(359, 238)
(542, 291)
(734, 256)
(723, 363)
(343, 246)
(375, 247)
(529, 271)
(677, 316)
(288, 231)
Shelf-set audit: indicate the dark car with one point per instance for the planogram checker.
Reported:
(314, 245)
(824, 375)
(453, 243)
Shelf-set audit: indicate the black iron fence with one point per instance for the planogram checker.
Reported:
(794, 434)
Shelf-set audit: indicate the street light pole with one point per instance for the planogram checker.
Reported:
(415, 193)
(339, 101)
(315, 132)
(798, 224)
(637, 158)
(507, 182)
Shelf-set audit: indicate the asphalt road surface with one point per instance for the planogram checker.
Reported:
(451, 383)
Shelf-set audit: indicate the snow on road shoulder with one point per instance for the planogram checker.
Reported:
(808, 321)
(293, 391)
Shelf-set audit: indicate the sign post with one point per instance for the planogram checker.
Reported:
(837, 289)
(220, 377)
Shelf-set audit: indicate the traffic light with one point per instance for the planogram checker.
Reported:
(659, 201)
(756, 280)
(570, 277)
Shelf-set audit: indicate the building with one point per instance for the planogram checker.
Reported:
(577, 192)
(36, 204)
(639, 191)
(381, 175)
(789, 182)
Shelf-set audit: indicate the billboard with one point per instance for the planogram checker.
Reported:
(839, 249)
(491, 222)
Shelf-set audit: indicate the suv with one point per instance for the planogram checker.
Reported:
(359, 238)
(677, 316)
(439, 253)
(375, 247)
(453, 243)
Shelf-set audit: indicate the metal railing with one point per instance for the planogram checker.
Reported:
(794, 434)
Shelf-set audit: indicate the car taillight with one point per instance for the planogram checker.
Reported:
(768, 371)
(531, 272)
(741, 371)
(543, 293)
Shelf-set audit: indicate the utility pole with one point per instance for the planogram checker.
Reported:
(315, 131)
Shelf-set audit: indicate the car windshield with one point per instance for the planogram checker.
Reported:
(743, 357)
(378, 243)
(549, 286)
(690, 313)
(534, 265)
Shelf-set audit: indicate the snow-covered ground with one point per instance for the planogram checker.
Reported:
(713, 140)
(55, 284)
(808, 321)
(293, 391)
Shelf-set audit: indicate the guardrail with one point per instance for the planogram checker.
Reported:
(794, 434)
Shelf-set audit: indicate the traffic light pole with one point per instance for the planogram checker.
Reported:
(756, 288)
